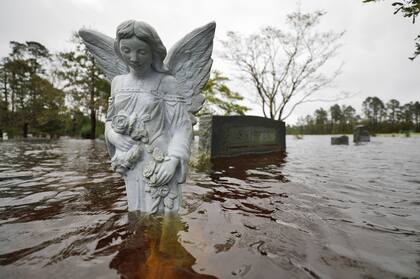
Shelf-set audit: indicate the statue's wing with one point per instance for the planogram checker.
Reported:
(189, 61)
(102, 48)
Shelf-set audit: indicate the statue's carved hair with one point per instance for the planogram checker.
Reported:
(146, 33)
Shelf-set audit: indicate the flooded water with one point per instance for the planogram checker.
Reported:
(322, 211)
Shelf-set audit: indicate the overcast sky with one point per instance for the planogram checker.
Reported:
(375, 47)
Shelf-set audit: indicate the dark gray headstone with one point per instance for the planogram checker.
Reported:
(340, 140)
(361, 134)
(227, 136)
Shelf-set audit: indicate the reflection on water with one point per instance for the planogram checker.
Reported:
(246, 167)
(322, 211)
(152, 250)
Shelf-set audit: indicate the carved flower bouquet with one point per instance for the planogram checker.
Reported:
(134, 127)
(158, 192)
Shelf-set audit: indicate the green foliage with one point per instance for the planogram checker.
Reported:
(84, 82)
(85, 132)
(417, 48)
(408, 8)
(374, 110)
(100, 129)
(29, 101)
(201, 162)
(220, 99)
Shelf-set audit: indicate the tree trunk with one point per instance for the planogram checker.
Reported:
(25, 130)
(73, 125)
(13, 96)
(92, 102)
(6, 92)
(92, 123)
(92, 114)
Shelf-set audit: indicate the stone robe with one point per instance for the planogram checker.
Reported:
(167, 131)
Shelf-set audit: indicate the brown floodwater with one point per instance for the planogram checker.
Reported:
(319, 211)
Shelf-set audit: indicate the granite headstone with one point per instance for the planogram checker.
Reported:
(340, 140)
(227, 136)
(361, 134)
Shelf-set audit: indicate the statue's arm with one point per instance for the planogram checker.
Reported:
(111, 108)
(114, 139)
(180, 144)
(110, 113)
(180, 127)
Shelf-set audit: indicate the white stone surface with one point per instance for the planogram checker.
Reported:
(153, 100)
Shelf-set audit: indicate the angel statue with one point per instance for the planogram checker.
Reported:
(154, 97)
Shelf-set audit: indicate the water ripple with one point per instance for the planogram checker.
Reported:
(322, 211)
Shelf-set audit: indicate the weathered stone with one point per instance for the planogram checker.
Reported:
(154, 97)
(340, 140)
(227, 136)
(361, 134)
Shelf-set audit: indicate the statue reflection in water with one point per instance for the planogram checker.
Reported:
(152, 250)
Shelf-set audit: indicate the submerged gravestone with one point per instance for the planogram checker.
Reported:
(228, 136)
(344, 140)
(154, 97)
(361, 134)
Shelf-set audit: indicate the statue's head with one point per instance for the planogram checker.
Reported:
(142, 31)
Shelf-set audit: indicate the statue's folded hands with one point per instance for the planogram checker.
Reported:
(121, 142)
(166, 171)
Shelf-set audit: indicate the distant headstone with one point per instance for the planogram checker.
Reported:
(361, 134)
(340, 140)
(227, 136)
(5, 136)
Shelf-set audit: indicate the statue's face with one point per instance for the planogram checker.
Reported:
(137, 54)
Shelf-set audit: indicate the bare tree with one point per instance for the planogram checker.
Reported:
(285, 67)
